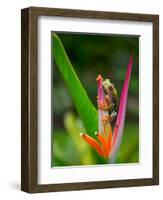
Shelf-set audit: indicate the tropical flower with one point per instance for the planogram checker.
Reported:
(108, 142)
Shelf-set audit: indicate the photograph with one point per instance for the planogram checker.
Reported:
(95, 99)
(90, 99)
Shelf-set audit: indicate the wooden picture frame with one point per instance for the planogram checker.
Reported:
(29, 112)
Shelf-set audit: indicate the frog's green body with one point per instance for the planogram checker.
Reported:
(111, 97)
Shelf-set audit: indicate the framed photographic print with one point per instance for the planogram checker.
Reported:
(90, 99)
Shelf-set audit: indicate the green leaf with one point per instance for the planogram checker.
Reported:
(84, 106)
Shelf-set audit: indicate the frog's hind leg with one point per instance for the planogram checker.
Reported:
(112, 116)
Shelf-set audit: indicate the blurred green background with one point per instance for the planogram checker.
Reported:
(91, 55)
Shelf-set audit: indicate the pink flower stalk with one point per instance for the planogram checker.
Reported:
(118, 130)
(107, 144)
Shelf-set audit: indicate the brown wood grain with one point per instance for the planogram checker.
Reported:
(29, 171)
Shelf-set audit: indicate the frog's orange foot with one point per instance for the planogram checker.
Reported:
(103, 105)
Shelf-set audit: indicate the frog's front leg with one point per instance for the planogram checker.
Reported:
(109, 102)
(102, 104)
(106, 105)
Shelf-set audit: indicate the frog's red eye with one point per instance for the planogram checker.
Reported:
(111, 87)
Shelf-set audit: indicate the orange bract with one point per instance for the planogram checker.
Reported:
(104, 147)
(104, 144)
(93, 143)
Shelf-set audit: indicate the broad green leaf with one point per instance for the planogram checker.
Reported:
(84, 106)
